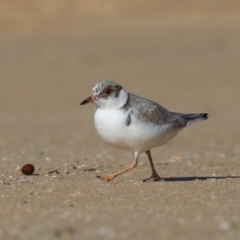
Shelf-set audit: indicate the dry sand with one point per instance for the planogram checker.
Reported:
(187, 65)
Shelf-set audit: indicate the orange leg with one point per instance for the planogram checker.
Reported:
(110, 177)
(154, 177)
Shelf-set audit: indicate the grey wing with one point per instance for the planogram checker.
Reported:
(155, 113)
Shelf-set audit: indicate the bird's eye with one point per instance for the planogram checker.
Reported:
(107, 91)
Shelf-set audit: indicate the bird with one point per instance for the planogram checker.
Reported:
(133, 123)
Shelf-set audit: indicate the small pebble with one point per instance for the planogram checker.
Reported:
(28, 169)
(224, 226)
(17, 168)
(54, 172)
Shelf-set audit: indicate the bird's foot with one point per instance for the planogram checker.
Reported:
(154, 178)
(106, 177)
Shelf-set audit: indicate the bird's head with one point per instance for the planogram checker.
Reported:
(107, 94)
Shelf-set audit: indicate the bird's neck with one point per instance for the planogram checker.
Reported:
(123, 99)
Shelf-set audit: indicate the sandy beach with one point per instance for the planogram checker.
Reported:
(187, 61)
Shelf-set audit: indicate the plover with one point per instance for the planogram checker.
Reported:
(129, 122)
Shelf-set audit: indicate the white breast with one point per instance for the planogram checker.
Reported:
(111, 126)
(138, 136)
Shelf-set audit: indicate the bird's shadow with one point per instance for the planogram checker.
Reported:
(193, 178)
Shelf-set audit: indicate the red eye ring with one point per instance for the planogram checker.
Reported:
(108, 91)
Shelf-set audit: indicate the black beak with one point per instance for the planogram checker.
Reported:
(84, 102)
(88, 100)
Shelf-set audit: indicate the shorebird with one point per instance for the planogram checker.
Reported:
(129, 122)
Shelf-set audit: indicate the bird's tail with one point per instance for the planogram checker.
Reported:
(194, 117)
